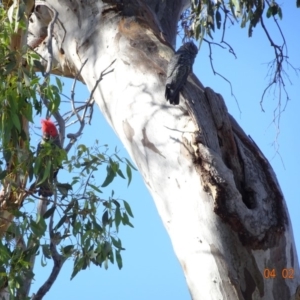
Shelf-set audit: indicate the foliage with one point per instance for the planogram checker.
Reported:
(19, 86)
(81, 224)
(78, 230)
(205, 16)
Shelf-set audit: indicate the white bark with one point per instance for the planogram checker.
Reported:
(214, 190)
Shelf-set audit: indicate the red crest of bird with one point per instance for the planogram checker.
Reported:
(48, 127)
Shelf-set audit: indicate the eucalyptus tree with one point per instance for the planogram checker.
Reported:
(216, 193)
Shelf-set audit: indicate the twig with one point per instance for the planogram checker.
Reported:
(73, 89)
(213, 43)
(226, 12)
(58, 263)
(74, 136)
(280, 57)
(217, 73)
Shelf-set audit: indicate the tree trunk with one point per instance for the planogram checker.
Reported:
(214, 190)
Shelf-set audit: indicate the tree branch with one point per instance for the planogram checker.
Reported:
(217, 73)
(74, 136)
(58, 261)
(49, 36)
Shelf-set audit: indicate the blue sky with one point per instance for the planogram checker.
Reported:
(151, 270)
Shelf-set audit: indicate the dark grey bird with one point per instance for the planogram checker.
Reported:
(179, 68)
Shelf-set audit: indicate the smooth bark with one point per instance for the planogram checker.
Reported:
(214, 190)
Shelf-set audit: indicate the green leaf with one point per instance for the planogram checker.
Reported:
(130, 164)
(119, 259)
(46, 251)
(114, 166)
(118, 217)
(210, 21)
(116, 203)
(94, 188)
(298, 3)
(105, 218)
(235, 8)
(269, 12)
(128, 209)
(9, 67)
(76, 228)
(106, 264)
(58, 83)
(27, 112)
(218, 19)
(63, 188)
(120, 174)
(26, 78)
(4, 253)
(11, 286)
(78, 264)
(129, 174)
(250, 30)
(49, 212)
(38, 228)
(106, 204)
(61, 221)
(68, 250)
(16, 121)
(280, 13)
(7, 154)
(109, 177)
(120, 160)
(70, 206)
(87, 227)
(197, 30)
(43, 261)
(209, 33)
(111, 257)
(97, 227)
(115, 242)
(46, 172)
(125, 220)
(42, 225)
(107, 248)
(3, 174)
(274, 7)
(14, 229)
(255, 18)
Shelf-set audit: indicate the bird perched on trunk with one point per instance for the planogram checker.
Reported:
(46, 158)
(179, 68)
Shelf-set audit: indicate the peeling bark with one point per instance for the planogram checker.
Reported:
(214, 190)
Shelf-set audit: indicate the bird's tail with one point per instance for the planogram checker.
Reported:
(171, 95)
